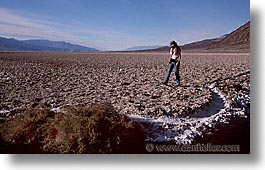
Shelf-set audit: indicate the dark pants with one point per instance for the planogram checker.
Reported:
(171, 66)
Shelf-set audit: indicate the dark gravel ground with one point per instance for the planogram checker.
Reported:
(130, 81)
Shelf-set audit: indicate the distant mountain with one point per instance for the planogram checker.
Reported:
(138, 48)
(238, 40)
(15, 45)
(11, 44)
(204, 44)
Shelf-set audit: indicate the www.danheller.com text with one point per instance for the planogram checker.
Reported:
(192, 148)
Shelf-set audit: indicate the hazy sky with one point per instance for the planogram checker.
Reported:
(118, 24)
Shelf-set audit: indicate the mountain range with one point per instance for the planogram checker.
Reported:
(11, 44)
(238, 40)
(135, 48)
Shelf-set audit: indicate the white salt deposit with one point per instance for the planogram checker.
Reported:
(184, 130)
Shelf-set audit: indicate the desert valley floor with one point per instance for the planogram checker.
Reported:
(132, 83)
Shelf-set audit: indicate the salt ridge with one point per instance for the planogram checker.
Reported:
(184, 130)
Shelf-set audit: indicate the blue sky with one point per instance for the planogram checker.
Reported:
(118, 24)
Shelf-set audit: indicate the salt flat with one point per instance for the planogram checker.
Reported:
(130, 81)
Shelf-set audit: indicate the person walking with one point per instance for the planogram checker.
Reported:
(174, 62)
